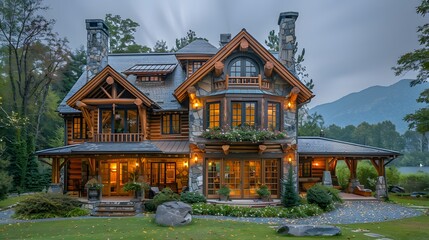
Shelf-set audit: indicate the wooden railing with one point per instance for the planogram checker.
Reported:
(118, 137)
(242, 82)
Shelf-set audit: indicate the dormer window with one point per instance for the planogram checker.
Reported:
(150, 72)
(243, 67)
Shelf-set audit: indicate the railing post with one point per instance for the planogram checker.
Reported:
(260, 81)
(226, 81)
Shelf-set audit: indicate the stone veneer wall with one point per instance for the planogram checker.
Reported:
(97, 46)
(287, 39)
(196, 125)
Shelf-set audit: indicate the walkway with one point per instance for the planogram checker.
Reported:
(349, 212)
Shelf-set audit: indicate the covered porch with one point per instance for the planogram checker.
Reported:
(158, 163)
(318, 158)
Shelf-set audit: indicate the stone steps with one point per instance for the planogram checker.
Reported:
(114, 209)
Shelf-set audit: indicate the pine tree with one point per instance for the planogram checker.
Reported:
(290, 197)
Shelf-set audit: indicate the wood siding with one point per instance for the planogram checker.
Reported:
(154, 129)
(74, 175)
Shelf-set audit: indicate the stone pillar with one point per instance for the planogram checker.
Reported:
(196, 178)
(287, 39)
(327, 179)
(380, 188)
(97, 46)
(353, 183)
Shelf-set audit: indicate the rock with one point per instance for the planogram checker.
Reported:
(309, 230)
(173, 214)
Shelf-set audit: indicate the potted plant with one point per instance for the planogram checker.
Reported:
(94, 189)
(264, 193)
(224, 192)
(137, 185)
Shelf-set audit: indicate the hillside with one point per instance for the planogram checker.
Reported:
(374, 104)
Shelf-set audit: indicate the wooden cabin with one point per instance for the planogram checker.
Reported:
(146, 114)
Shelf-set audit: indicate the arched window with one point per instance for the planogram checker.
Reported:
(243, 67)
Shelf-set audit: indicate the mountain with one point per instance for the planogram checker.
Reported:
(374, 104)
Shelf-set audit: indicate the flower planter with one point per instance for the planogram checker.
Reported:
(94, 194)
(223, 198)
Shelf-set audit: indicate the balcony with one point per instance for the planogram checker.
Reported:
(118, 137)
(242, 82)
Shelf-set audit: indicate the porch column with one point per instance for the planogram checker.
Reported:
(327, 179)
(380, 187)
(353, 181)
(55, 186)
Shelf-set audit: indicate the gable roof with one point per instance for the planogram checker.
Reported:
(320, 146)
(304, 95)
(99, 78)
(161, 94)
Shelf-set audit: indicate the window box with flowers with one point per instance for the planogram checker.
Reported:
(242, 134)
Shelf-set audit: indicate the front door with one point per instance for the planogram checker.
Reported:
(114, 174)
(163, 174)
(243, 177)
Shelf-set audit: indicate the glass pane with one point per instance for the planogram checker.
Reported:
(123, 177)
(250, 114)
(250, 69)
(119, 121)
(76, 127)
(132, 121)
(236, 114)
(235, 70)
(166, 124)
(273, 116)
(272, 176)
(154, 174)
(214, 115)
(251, 178)
(213, 176)
(106, 121)
(232, 177)
(175, 123)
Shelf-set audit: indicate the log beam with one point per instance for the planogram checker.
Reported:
(218, 68)
(293, 94)
(225, 149)
(98, 101)
(109, 80)
(244, 45)
(268, 69)
(261, 149)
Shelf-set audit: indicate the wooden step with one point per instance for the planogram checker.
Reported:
(114, 209)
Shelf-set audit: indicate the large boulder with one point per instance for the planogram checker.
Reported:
(173, 214)
(309, 230)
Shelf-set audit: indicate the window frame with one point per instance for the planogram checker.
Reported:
(243, 112)
(207, 115)
(277, 117)
(243, 67)
(170, 124)
(83, 128)
(112, 119)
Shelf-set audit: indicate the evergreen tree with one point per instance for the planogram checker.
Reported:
(121, 33)
(182, 42)
(273, 41)
(160, 46)
(71, 72)
(290, 197)
(5, 179)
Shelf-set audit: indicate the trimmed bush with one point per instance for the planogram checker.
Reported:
(335, 193)
(166, 195)
(192, 197)
(149, 206)
(320, 196)
(305, 210)
(48, 205)
(415, 182)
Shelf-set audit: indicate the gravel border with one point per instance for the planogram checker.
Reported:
(347, 213)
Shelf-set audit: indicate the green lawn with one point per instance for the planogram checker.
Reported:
(407, 200)
(10, 201)
(145, 228)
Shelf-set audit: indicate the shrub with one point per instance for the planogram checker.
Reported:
(192, 197)
(263, 191)
(343, 174)
(290, 197)
(320, 196)
(76, 212)
(415, 182)
(392, 175)
(367, 174)
(149, 206)
(305, 210)
(46, 205)
(334, 193)
(224, 191)
(166, 195)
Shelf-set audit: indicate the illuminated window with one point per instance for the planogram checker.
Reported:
(79, 128)
(123, 121)
(213, 115)
(273, 116)
(243, 113)
(171, 124)
(149, 78)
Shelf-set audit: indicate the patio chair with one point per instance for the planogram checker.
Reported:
(360, 190)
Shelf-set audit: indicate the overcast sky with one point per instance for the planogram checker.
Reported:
(350, 45)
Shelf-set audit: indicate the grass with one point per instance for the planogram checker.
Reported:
(407, 200)
(145, 228)
(11, 201)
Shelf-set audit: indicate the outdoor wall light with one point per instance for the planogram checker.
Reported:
(185, 164)
(196, 159)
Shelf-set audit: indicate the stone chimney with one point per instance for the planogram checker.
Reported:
(97, 46)
(224, 38)
(287, 39)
